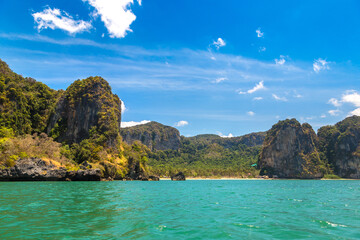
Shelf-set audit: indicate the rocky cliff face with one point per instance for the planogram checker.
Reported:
(154, 135)
(341, 146)
(87, 105)
(289, 151)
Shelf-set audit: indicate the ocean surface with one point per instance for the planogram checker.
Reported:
(205, 209)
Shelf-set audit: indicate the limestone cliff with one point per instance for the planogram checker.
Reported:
(341, 146)
(154, 135)
(289, 151)
(86, 107)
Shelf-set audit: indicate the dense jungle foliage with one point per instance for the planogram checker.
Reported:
(207, 156)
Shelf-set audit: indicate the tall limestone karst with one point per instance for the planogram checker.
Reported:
(289, 151)
(154, 135)
(341, 146)
(86, 108)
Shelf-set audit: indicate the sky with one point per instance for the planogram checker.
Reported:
(227, 68)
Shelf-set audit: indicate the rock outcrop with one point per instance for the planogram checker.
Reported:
(178, 177)
(341, 146)
(154, 135)
(289, 151)
(86, 105)
(35, 169)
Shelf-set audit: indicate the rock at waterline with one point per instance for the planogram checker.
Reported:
(36, 169)
(178, 177)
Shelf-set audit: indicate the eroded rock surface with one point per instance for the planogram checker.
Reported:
(289, 151)
(35, 169)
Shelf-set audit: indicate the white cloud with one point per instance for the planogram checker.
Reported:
(335, 102)
(334, 112)
(225, 136)
(276, 97)
(55, 18)
(123, 108)
(259, 33)
(132, 123)
(115, 14)
(257, 98)
(356, 112)
(219, 43)
(323, 116)
(219, 80)
(250, 113)
(181, 123)
(320, 64)
(351, 97)
(257, 87)
(280, 61)
(262, 49)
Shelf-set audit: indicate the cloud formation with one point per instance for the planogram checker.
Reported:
(219, 80)
(181, 123)
(219, 43)
(280, 61)
(257, 98)
(335, 102)
(259, 33)
(277, 98)
(262, 49)
(350, 96)
(115, 14)
(132, 123)
(334, 112)
(250, 113)
(320, 64)
(225, 136)
(257, 87)
(355, 112)
(57, 19)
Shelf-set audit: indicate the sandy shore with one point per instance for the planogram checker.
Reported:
(223, 178)
(237, 178)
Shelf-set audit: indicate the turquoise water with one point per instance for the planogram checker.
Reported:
(216, 209)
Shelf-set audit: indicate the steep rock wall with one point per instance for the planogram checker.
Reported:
(289, 151)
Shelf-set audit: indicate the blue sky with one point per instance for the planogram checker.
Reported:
(204, 66)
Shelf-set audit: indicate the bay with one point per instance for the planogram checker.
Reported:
(198, 209)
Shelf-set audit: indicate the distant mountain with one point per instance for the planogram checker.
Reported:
(154, 135)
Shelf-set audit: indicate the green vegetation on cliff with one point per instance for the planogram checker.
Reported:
(25, 104)
(340, 146)
(83, 123)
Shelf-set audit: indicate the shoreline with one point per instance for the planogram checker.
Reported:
(238, 178)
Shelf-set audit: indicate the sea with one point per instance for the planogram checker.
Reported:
(193, 209)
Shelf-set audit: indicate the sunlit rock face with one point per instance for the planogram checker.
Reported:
(87, 105)
(289, 151)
